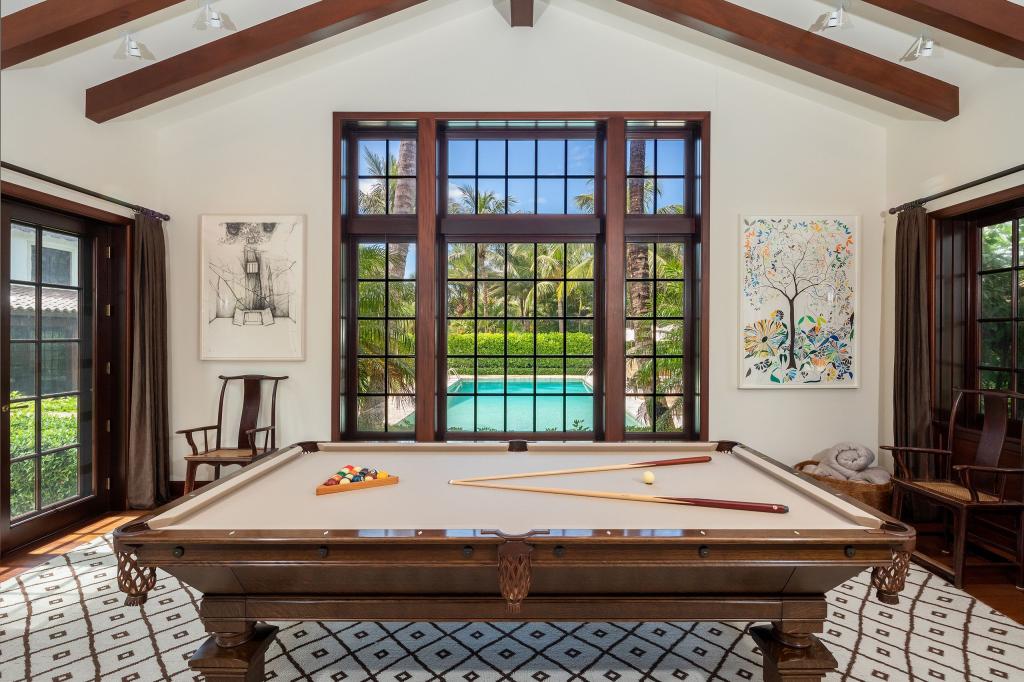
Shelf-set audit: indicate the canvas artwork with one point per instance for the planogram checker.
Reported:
(252, 287)
(798, 302)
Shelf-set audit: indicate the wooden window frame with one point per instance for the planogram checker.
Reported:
(954, 267)
(610, 227)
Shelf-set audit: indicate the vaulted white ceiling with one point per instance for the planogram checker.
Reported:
(870, 29)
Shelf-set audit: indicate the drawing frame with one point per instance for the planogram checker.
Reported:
(743, 361)
(283, 347)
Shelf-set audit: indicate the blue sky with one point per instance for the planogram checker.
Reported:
(549, 171)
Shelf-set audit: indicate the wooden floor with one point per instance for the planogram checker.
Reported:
(33, 555)
(993, 586)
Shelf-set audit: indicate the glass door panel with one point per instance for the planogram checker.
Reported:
(49, 373)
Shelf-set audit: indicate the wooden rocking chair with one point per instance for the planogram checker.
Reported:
(245, 451)
(968, 484)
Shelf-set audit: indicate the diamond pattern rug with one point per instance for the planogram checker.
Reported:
(65, 622)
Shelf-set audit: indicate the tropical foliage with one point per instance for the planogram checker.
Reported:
(996, 338)
(655, 336)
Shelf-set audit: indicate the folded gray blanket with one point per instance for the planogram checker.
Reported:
(848, 462)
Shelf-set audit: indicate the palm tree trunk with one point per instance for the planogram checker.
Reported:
(638, 263)
(404, 202)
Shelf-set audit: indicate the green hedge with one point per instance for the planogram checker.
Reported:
(521, 344)
(59, 470)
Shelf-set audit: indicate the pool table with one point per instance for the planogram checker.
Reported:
(262, 546)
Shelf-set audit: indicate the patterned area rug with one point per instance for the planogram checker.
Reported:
(68, 617)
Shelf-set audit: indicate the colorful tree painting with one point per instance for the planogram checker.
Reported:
(799, 305)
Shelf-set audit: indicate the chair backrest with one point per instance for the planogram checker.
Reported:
(252, 401)
(995, 407)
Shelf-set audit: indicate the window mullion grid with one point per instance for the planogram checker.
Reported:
(1014, 302)
(504, 316)
(536, 292)
(476, 331)
(38, 370)
(387, 329)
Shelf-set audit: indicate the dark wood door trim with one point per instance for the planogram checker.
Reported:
(110, 353)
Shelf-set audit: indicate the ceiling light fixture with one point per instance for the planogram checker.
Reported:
(133, 49)
(922, 47)
(834, 19)
(211, 18)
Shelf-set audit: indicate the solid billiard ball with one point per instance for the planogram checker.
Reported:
(648, 477)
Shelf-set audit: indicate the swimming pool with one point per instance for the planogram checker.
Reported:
(525, 407)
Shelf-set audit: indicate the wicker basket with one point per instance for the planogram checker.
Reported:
(877, 495)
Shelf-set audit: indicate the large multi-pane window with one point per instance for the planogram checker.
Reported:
(535, 249)
(385, 336)
(521, 176)
(655, 337)
(520, 336)
(1001, 304)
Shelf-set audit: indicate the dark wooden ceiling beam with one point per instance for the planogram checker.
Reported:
(811, 52)
(997, 24)
(233, 53)
(53, 24)
(522, 13)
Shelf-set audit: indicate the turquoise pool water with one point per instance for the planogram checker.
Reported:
(527, 407)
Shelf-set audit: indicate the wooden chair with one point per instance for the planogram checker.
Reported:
(245, 451)
(967, 484)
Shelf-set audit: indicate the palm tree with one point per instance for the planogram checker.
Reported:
(468, 201)
(374, 260)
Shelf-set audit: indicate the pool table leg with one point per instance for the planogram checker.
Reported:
(220, 660)
(791, 651)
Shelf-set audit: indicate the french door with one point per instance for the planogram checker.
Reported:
(55, 455)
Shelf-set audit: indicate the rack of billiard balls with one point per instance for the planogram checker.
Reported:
(352, 477)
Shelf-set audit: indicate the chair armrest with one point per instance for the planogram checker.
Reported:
(965, 470)
(191, 441)
(988, 470)
(899, 453)
(268, 430)
(927, 451)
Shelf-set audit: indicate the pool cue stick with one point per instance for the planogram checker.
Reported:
(686, 501)
(581, 470)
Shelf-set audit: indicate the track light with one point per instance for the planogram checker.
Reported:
(922, 47)
(133, 49)
(834, 19)
(211, 18)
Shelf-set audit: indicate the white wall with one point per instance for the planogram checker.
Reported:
(924, 158)
(44, 129)
(268, 149)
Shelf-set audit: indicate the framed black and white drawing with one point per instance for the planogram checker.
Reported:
(252, 287)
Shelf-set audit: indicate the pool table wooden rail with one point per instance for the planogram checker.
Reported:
(248, 576)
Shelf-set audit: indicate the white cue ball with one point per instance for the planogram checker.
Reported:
(648, 477)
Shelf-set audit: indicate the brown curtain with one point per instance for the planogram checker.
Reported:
(912, 411)
(148, 436)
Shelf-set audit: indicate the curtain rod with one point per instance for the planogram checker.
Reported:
(960, 188)
(67, 185)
